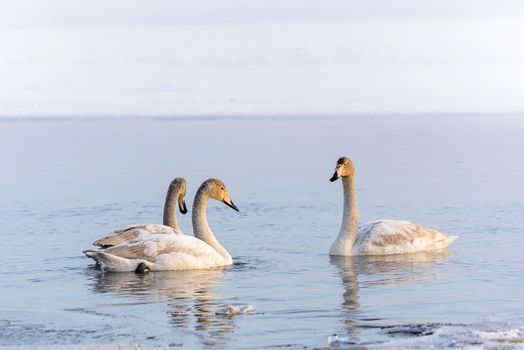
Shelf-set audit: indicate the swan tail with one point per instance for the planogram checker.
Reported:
(451, 239)
(112, 262)
(443, 243)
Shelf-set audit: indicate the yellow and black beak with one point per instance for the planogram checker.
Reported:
(230, 204)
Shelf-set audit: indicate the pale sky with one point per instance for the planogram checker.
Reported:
(240, 57)
(169, 12)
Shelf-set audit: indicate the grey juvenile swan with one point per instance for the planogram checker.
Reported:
(379, 237)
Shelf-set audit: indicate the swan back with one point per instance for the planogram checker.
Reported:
(383, 237)
(159, 252)
(131, 232)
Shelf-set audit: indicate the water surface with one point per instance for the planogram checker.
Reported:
(67, 182)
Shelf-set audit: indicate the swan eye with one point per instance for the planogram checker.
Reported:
(222, 188)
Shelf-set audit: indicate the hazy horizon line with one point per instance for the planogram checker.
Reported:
(248, 117)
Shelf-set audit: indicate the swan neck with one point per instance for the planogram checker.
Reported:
(201, 228)
(349, 227)
(170, 209)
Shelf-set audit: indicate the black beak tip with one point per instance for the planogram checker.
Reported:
(334, 177)
(234, 207)
(231, 205)
(183, 208)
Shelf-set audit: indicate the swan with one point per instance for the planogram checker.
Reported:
(379, 237)
(173, 251)
(176, 192)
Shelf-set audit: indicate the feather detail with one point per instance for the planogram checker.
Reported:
(159, 252)
(131, 232)
(396, 237)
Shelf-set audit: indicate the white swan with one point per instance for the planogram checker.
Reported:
(173, 251)
(175, 193)
(380, 237)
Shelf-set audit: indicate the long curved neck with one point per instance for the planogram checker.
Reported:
(349, 227)
(201, 228)
(170, 209)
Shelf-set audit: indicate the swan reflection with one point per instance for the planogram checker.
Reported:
(358, 272)
(188, 295)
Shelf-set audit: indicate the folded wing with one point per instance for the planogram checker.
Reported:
(397, 237)
(132, 232)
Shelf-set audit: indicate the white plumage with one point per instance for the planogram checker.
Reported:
(131, 232)
(383, 237)
(159, 252)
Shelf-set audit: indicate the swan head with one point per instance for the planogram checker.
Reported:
(178, 187)
(344, 167)
(217, 190)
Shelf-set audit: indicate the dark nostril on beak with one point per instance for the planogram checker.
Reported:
(334, 177)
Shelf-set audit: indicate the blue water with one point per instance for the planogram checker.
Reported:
(66, 183)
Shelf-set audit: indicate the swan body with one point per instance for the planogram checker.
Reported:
(175, 193)
(172, 251)
(159, 252)
(384, 237)
(381, 237)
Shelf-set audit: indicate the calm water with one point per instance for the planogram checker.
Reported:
(66, 183)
